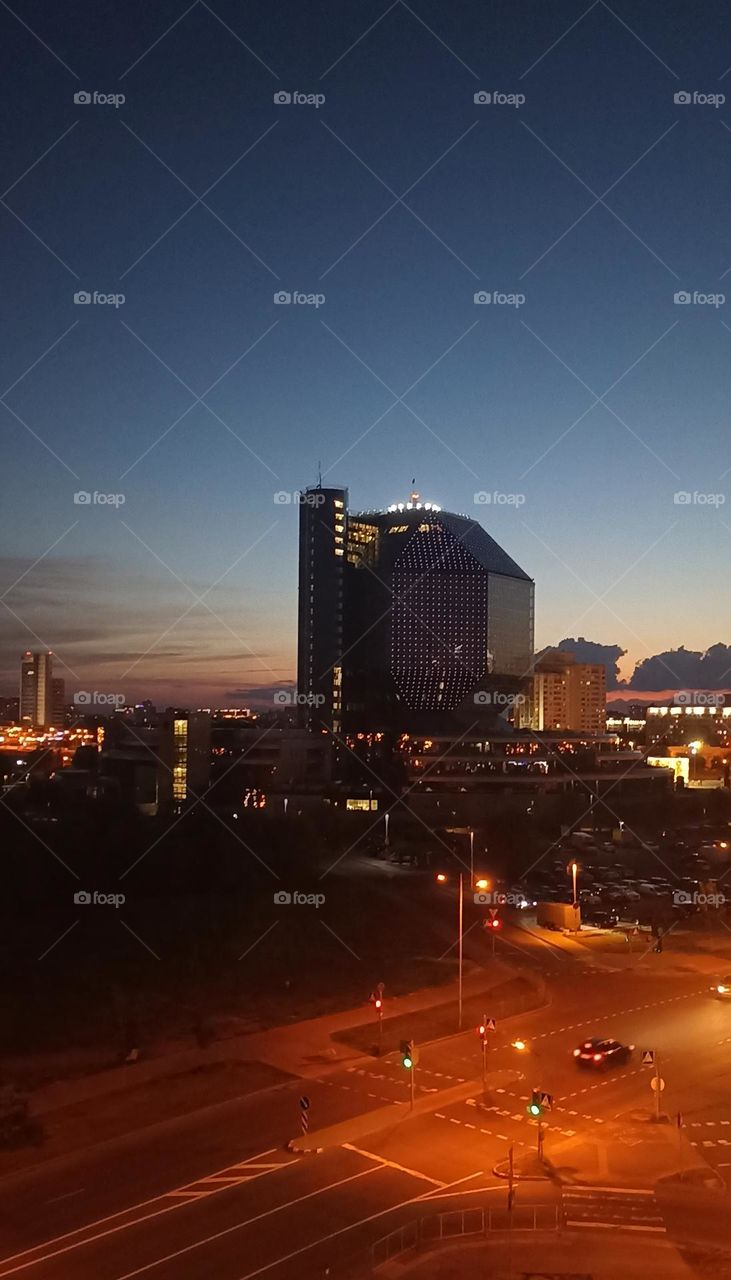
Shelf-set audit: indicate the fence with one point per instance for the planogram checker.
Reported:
(463, 1222)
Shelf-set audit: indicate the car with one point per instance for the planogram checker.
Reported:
(599, 919)
(722, 989)
(600, 1053)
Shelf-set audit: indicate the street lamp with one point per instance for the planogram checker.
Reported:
(472, 855)
(386, 817)
(442, 879)
(574, 869)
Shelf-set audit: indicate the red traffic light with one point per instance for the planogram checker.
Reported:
(378, 1003)
(482, 1031)
(494, 924)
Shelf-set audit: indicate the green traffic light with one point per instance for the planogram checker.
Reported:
(534, 1109)
(407, 1063)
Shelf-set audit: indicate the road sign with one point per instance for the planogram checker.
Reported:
(493, 912)
(656, 1083)
(648, 1057)
(490, 1024)
(304, 1102)
(547, 1101)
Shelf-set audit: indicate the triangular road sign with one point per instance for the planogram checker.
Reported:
(648, 1057)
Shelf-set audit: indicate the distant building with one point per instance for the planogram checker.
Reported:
(58, 703)
(564, 695)
(409, 618)
(9, 710)
(159, 765)
(36, 689)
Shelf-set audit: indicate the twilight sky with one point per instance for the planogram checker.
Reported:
(198, 398)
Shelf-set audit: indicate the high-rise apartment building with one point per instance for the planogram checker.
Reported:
(409, 618)
(36, 689)
(564, 694)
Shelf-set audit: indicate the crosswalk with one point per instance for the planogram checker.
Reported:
(224, 1179)
(611, 1207)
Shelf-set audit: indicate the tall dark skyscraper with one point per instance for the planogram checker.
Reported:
(409, 619)
(322, 561)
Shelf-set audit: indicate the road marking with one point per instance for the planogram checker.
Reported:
(237, 1226)
(44, 1252)
(392, 1164)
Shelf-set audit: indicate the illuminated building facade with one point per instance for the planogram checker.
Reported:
(563, 694)
(39, 707)
(418, 616)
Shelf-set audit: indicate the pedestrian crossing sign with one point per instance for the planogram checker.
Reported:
(648, 1057)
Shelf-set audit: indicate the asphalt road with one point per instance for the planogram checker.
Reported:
(217, 1192)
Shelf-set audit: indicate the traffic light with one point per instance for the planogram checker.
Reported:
(409, 1054)
(482, 1032)
(494, 923)
(378, 1004)
(534, 1107)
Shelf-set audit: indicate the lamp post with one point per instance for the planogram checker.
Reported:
(574, 869)
(442, 879)
(386, 817)
(472, 855)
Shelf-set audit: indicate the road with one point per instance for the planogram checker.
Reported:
(218, 1193)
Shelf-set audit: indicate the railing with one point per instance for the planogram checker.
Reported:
(463, 1222)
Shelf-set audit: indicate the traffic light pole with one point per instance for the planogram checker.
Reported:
(413, 1085)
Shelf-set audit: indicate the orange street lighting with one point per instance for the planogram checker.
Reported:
(441, 878)
(520, 1045)
(482, 884)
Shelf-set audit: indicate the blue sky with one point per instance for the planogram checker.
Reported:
(397, 199)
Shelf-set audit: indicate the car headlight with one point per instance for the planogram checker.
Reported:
(721, 989)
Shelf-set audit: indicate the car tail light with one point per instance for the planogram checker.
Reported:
(598, 1057)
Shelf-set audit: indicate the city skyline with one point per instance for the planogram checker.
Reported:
(183, 385)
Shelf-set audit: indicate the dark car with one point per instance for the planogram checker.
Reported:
(599, 1053)
(600, 919)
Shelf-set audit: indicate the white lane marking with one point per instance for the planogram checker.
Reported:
(392, 1164)
(68, 1195)
(41, 1250)
(237, 1226)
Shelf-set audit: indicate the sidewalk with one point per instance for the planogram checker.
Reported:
(300, 1049)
